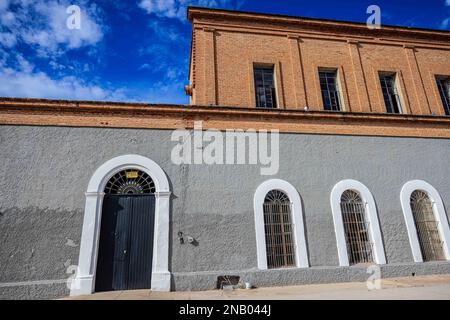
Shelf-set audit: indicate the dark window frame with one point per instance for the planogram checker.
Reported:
(265, 90)
(443, 84)
(391, 96)
(329, 88)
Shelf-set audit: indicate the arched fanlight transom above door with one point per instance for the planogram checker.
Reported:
(130, 181)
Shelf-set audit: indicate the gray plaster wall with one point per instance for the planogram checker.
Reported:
(44, 173)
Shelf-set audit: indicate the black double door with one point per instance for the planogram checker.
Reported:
(126, 243)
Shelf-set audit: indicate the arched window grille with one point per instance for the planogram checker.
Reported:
(427, 227)
(278, 230)
(130, 181)
(356, 227)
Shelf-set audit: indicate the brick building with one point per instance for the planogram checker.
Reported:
(363, 175)
(227, 47)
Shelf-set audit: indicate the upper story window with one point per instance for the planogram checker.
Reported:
(265, 87)
(443, 84)
(329, 88)
(390, 93)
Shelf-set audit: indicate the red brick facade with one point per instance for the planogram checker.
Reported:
(227, 44)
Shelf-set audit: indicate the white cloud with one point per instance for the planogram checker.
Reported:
(40, 85)
(7, 18)
(166, 8)
(7, 39)
(145, 66)
(164, 31)
(174, 73)
(22, 79)
(445, 24)
(42, 25)
(3, 5)
(44, 71)
(177, 8)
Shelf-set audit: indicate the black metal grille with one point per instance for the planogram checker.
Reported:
(356, 228)
(390, 95)
(329, 89)
(227, 281)
(265, 87)
(130, 181)
(427, 227)
(278, 230)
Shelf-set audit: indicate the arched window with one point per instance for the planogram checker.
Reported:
(130, 181)
(426, 221)
(427, 227)
(356, 227)
(279, 236)
(279, 229)
(355, 217)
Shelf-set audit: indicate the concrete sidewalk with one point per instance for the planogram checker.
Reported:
(436, 287)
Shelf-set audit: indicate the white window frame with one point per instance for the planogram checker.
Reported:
(84, 281)
(438, 211)
(301, 254)
(372, 216)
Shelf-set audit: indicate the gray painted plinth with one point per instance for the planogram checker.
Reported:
(303, 276)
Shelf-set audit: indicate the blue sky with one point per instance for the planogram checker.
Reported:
(138, 50)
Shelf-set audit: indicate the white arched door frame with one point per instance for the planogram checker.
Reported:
(301, 255)
(84, 281)
(438, 211)
(372, 216)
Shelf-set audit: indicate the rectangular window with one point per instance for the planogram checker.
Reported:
(329, 89)
(265, 87)
(443, 84)
(390, 93)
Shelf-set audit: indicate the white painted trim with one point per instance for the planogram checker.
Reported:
(372, 217)
(301, 254)
(84, 282)
(438, 211)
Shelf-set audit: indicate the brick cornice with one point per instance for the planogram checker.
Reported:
(343, 28)
(158, 116)
(331, 35)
